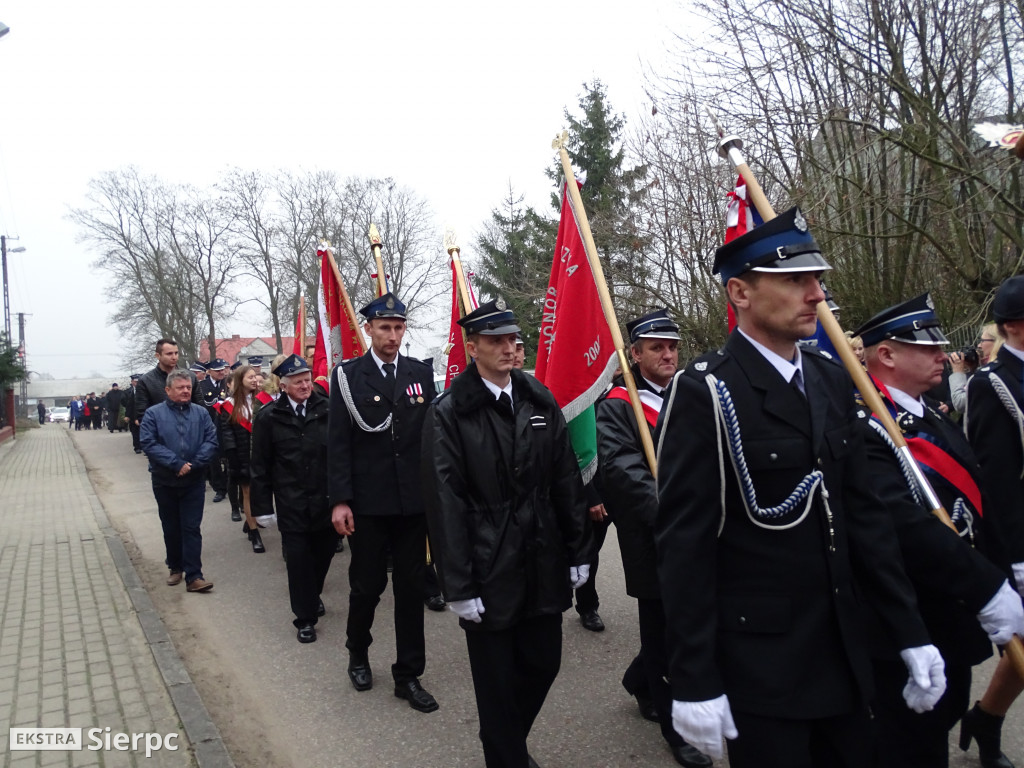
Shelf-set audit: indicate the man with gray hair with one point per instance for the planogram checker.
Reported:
(180, 441)
(289, 470)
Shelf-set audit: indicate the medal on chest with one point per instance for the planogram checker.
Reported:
(415, 393)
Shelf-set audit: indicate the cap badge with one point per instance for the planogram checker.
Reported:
(799, 221)
(390, 303)
(500, 305)
(929, 303)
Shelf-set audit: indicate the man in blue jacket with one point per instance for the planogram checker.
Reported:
(180, 441)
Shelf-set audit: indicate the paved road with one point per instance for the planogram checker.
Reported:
(276, 702)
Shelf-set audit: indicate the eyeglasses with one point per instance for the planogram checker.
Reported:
(990, 341)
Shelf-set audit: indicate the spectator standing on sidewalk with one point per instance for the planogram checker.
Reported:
(180, 441)
(41, 408)
(129, 411)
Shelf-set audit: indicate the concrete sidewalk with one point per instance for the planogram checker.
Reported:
(81, 645)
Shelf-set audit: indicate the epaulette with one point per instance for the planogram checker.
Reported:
(991, 365)
(425, 363)
(706, 363)
(822, 355)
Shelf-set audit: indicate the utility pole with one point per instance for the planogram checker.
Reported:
(7, 301)
(24, 364)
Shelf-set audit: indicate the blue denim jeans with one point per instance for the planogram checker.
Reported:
(181, 515)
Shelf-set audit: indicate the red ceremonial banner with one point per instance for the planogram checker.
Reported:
(456, 348)
(576, 353)
(340, 341)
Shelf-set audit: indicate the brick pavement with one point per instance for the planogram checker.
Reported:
(80, 643)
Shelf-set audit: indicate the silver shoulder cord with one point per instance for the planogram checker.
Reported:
(353, 412)
(1008, 401)
(804, 491)
(960, 512)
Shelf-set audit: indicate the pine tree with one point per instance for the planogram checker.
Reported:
(516, 249)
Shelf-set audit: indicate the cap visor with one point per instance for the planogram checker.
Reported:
(501, 330)
(805, 262)
(931, 336)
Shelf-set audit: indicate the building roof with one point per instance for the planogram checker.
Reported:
(244, 346)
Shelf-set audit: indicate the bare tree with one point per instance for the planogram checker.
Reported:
(155, 293)
(862, 112)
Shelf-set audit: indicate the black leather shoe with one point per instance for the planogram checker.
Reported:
(320, 610)
(257, 542)
(690, 756)
(218, 497)
(236, 516)
(359, 673)
(138, 450)
(307, 633)
(592, 621)
(435, 603)
(413, 692)
(647, 709)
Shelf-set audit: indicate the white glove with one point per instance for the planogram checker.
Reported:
(469, 610)
(578, 575)
(1003, 615)
(267, 521)
(1018, 576)
(704, 723)
(927, 681)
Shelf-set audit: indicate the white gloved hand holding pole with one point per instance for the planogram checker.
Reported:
(927, 681)
(578, 575)
(704, 723)
(1003, 615)
(469, 610)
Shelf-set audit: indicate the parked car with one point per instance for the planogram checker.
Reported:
(60, 414)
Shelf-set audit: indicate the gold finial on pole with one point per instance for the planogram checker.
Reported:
(375, 243)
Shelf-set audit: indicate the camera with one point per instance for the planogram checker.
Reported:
(970, 355)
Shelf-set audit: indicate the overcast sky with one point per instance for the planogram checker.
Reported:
(452, 99)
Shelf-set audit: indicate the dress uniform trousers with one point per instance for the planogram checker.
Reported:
(308, 556)
(405, 537)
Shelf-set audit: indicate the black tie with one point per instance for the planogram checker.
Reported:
(505, 406)
(299, 411)
(389, 373)
(797, 382)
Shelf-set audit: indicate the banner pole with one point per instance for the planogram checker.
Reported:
(606, 301)
(375, 243)
(466, 305)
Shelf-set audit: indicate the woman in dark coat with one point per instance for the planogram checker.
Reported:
(236, 417)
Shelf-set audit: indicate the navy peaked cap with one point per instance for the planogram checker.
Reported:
(784, 244)
(217, 364)
(654, 325)
(290, 366)
(1009, 301)
(491, 319)
(913, 321)
(387, 305)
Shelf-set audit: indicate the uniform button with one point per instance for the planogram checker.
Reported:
(837, 590)
(820, 462)
(773, 457)
(743, 620)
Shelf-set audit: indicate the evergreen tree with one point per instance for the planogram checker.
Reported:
(516, 249)
(609, 194)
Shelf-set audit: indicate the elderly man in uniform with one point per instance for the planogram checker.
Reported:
(963, 597)
(627, 487)
(378, 402)
(770, 533)
(994, 421)
(289, 472)
(199, 369)
(508, 520)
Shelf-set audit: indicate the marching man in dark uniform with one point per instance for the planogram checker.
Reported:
(628, 488)
(129, 411)
(211, 389)
(289, 473)
(508, 521)
(378, 402)
(769, 532)
(962, 596)
(994, 421)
